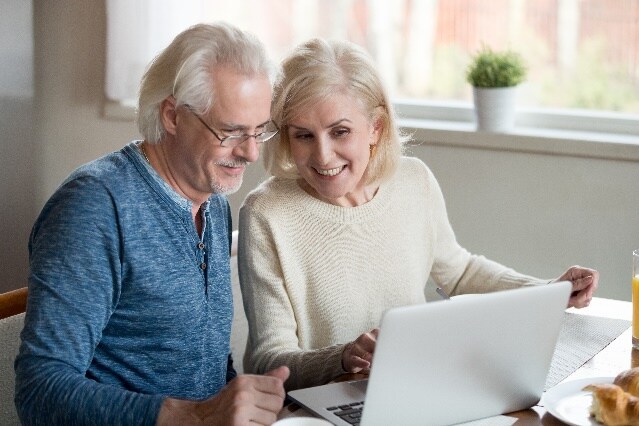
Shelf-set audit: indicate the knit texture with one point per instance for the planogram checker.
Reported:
(127, 305)
(314, 276)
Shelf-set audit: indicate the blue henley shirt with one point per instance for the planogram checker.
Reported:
(127, 304)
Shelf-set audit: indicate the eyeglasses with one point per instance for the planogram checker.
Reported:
(231, 141)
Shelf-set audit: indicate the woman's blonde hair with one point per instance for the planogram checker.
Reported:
(313, 72)
(185, 67)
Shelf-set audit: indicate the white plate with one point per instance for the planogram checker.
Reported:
(570, 404)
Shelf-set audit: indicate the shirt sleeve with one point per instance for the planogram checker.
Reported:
(74, 286)
(273, 340)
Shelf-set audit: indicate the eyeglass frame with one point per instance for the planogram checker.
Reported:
(241, 138)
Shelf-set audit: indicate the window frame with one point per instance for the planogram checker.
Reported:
(527, 119)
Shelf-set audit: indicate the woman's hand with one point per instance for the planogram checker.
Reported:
(584, 283)
(358, 355)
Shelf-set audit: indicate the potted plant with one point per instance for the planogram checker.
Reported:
(495, 76)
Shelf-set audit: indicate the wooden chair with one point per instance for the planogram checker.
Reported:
(13, 302)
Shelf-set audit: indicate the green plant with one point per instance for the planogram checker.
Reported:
(496, 69)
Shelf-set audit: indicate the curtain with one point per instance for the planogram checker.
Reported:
(137, 30)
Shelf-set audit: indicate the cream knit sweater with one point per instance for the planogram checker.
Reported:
(315, 276)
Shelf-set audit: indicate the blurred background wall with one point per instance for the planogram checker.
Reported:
(538, 213)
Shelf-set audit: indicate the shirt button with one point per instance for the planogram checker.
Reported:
(203, 265)
(200, 245)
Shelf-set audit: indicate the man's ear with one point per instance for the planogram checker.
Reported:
(168, 114)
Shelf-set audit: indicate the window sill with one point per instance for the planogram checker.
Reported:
(577, 133)
(524, 139)
(117, 111)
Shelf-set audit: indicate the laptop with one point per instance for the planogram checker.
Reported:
(451, 361)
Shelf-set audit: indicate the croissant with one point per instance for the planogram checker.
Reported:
(628, 380)
(612, 406)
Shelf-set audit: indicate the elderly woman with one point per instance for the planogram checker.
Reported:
(347, 227)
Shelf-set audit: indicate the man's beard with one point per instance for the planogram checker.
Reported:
(218, 188)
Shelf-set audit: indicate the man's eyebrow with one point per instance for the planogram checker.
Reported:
(243, 127)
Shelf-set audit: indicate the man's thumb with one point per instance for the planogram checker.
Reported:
(281, 373)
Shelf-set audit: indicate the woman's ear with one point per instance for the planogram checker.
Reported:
(378, 127)
(168, 114)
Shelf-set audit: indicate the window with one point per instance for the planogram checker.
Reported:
(582, 54)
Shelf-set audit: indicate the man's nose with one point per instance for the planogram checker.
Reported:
(248, 150)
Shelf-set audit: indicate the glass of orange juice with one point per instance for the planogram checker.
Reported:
(635, 299)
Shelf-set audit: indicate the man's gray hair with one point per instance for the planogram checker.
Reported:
(184, 70)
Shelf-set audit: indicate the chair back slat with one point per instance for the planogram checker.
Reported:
(13, 302)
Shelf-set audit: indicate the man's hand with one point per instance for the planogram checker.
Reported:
(246, 399)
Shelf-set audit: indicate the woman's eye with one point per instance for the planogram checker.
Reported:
(303, 136)
(341, 132)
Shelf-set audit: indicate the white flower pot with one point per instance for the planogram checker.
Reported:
(495, 108)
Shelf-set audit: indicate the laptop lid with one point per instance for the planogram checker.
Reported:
(454, 361)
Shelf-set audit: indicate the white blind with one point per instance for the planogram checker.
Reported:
(137, 30)
(581, 53)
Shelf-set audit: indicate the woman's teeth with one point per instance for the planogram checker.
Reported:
(330, 172)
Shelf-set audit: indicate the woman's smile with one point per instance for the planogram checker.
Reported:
(330, 172)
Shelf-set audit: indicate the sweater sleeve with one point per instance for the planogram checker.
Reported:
(73, 288)
(273, 340)
(457, 270)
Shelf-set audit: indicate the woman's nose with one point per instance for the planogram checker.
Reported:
(323, 150)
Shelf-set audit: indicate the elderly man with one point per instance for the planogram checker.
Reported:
(130, 304)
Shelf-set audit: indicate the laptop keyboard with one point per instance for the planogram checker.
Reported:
(350, 413)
